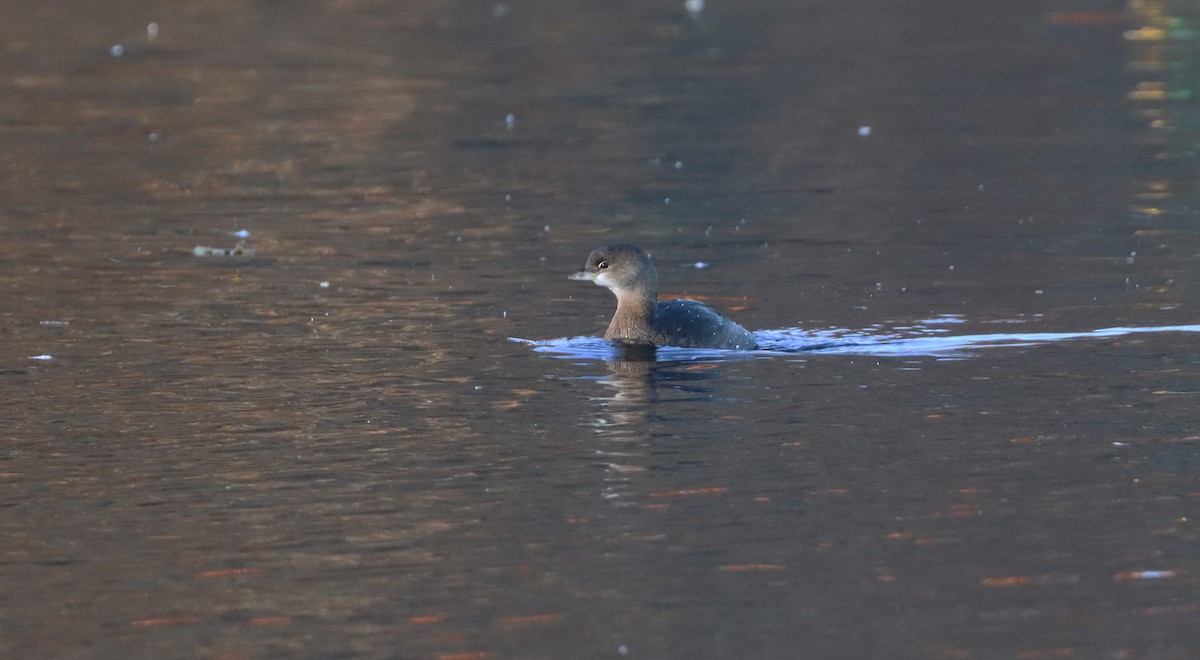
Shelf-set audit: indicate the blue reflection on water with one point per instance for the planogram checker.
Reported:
(910, 340)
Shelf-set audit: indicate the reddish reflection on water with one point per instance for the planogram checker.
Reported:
(325, 445)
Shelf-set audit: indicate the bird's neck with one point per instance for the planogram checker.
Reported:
(634, 318)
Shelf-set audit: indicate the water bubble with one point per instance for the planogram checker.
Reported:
(242, 233)
(117, 50)
(324, 285)
(510, 121)
(694, 6)
(864, 131)
(700, 265)
(153, 137)
(152, 31)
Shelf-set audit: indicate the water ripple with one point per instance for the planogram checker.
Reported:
(900, 341)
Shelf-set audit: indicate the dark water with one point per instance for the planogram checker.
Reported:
(329, 447)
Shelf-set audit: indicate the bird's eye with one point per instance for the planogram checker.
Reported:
(602, 265)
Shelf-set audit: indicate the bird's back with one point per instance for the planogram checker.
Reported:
(692, 324)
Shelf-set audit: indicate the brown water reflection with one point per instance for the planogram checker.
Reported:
(331, 449)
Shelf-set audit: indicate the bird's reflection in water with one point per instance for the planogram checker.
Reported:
(636, 373)
(626, 420)
(633, 373)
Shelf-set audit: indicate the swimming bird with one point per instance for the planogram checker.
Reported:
(641, 319)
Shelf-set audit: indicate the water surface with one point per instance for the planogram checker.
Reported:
(331, 448)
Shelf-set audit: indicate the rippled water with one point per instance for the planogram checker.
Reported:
(908, 340)
(261, 266)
